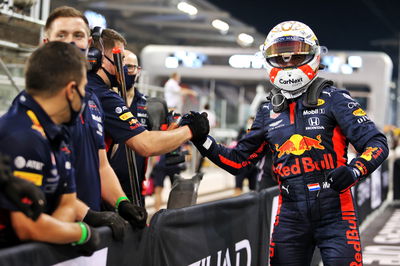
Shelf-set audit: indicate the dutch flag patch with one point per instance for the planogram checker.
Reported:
(313, 187)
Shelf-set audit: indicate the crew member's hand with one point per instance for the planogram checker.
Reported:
(343, 178)
(198, 124)
(92, 242)
(28, 198)
(111, 219)
(135, 215)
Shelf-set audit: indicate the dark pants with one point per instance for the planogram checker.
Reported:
(305, 220)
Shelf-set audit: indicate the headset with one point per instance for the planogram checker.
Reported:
(95, 56)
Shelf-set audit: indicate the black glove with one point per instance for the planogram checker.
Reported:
(198, 124)
(110, 219)
(26, 196)
(91, 244)
(135, 215)
(343, 178)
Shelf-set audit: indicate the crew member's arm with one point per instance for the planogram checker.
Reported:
(151, 143)
(51, 230)
(67, 210)
(112, 192)
(46, 229)
(123, 127)
(81, 209)
(111, 189)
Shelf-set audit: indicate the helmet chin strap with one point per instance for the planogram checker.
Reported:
(279, 97)
(294, 94)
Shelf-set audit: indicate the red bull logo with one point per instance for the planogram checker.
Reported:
(304, 165)
(370, 153)
(298, 144)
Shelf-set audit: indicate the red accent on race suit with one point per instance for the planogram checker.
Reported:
(339, 146)
(278, 211)
(352, 234)
(229, 162)
(236, 165)
(292, 108)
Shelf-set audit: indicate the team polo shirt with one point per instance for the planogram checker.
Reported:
(120, 124)
(87, 138)
(118, 160)
(39, 150)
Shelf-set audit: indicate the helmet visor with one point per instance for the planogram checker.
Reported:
(290, 61)
(288, 45)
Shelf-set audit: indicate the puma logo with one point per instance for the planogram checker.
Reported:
(285, 188)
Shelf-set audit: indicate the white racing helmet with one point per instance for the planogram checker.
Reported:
(292, 52)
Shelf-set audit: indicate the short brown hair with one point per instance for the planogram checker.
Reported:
(109, 38)
(52, 66)
(65, 12)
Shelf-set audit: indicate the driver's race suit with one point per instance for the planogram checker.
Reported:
(307, 144)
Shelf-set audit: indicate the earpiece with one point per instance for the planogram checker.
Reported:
(95, 56)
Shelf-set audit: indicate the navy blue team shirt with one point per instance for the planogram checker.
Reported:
(39, 150)
(87, 138)
(120, 124)
(118, 159)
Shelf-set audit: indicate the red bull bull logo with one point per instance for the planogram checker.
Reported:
(298, 144)
(370, 153)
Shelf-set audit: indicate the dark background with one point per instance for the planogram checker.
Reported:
(356, 25)
(339, 25)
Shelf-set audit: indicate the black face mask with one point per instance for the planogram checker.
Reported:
(75, 114)
(112, 78)
(129, 79)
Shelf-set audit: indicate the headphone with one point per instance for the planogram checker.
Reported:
(95, 56)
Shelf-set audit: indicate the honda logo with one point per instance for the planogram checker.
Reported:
(313, 121)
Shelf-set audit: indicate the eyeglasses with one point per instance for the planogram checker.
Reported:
(133, 67)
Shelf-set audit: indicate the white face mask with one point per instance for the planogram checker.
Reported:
(293, 95)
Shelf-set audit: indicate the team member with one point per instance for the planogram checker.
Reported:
(120, 124)
(308, 132)
(31, 133)
(137, 103)
(95, 178)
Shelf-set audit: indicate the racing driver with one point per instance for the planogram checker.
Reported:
(308, 124)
